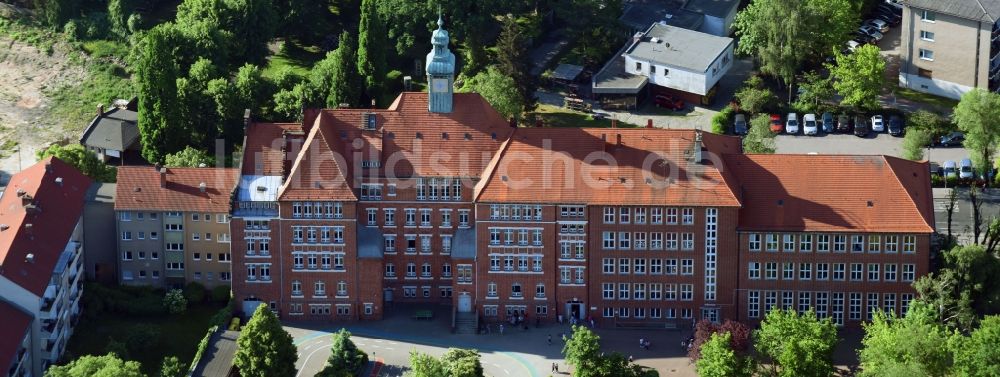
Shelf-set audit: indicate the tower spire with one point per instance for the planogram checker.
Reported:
(440, 70)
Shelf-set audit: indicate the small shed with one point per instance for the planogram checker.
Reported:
(567, 72)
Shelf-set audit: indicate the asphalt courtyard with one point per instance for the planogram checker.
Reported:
(516, 353)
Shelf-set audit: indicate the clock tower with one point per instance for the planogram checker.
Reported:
(440, 72)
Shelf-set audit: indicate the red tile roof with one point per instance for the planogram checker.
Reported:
(565, 165)
(139, 189)
(262, 154)
(317, 171)
(52, 213)
(833, 193)
(14, 325)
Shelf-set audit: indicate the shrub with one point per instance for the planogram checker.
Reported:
(394, 81)
(71, 30)
(142, 338)
(175, 302)
(234, 325)
(221, 293)
(937, 181)
(194, 293)
(117, 348)
(722, 120)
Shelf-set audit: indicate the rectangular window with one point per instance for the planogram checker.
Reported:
(771, 271)
(805, 302)
(687, 241)
(788, 243)
(890, 272)
(857, 273)
(873, 306)
(928, 16)
(608, 291)
(656, 241)
(671, 266)
(687, 217)
(656, 216)
(671, 216)
(839, 271)
(891, 244)
(624, 240)
(623, 266)
(639, 266)
(839, 243)
(822, 243)
(838, 308)
(926, 54)
(857, 243)
(927, 35)
(772, 242)
(623, 215)
(687, 292)
(754, 271)
(753, 304)
(873, 272)
(909, 273)
(671, 241)
(909, 244)
(805, 271)
(754, 241)
(788, 271)
(874, 243)
(805, 243)
(687, 266)
(889, 303)
(655, 267)
(609, 215)
(655, 291)
(608, 265)
(608, 240)
(822, 271)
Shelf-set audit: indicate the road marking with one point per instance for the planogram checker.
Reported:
(506, 371)
(388, 348)
(307, 348)
(305, 363)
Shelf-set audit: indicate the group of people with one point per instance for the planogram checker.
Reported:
(644, 343)
(573, 321)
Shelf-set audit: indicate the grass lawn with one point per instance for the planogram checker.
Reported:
(179, 335)
(553, 116)
(941, 103)
(295, 57)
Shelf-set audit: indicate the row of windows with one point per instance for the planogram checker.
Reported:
(220, 218)
(343, 310)
(319, 289)
(127, 236)
(513, 310)
(410, 217)
(522, 236)
(572, 211)
(875, 271)
(329, 210)
(522, 261)
(516, 290)
(389, 243)
(321, 260)
(411, 291)
(258, 271)
(638, 266)
(515, 212)
(425, 271)
(654, 312)
(657, 215)
(859, 243)
(647, 291)
(828, 304)
(327, 234)
(647, 241)
(439, 189)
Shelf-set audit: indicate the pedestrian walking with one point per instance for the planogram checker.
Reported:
(555, 367)
(550, 339)
(501, 329)
(629, 358)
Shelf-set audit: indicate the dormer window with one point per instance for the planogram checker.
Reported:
(370, 121)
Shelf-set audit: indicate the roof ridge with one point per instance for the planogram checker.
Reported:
(306, 145)
(912, 201)
(491, 168)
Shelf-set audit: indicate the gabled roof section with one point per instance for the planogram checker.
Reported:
(116, 129)
(14, 326)
(611, 166)
(263, 154)
(976, 10)
(139, 188)
(833, 193)
(38, 211)
(317, 173)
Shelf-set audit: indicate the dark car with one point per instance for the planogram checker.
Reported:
(844, 123)
(953, 139)
(895, 125)
(863, 38)
(740, 124)
(861, 127)
(776, 126)
(889, 18)
(886, 8)
(668, 102)
(828, 124)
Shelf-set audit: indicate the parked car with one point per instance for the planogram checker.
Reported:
(895, 4)
(893, 8)
(851, 46)
(878, 125)
(668, 102)
(891, 18)
(953, 139)
(809, 125)
(792, 124)
(895, 125)
(950, 169)
(861, 128)
(881, 25)
(863, 38)
(740, 124)
(776, 125)
(936, 169)
(844, 123)
(828, 123)
(872, 32)
(965, 169)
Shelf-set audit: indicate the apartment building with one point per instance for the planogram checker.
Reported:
(173, 225)
(41, 264)
(428, 203)
(949, 47)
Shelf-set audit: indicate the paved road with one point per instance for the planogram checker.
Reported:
(961, 223)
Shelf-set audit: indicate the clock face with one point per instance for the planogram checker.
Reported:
(439, 85)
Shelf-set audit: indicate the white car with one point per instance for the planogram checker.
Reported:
(792, 124)
(852, 45)
(878, 124)
(965, 169)
(871, 31)
(809, 125)
(881, 25)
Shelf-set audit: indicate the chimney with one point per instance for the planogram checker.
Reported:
(26, 200)
(637, 37)
(59, 181)
(614, 123)
(4, 227)
(100, 109)
(30, 258)
(513, 122)
(649, 123)
(618, 139)
(697, 147)
(202, 187)
(48, 167)
(246, 118)
(163, 177)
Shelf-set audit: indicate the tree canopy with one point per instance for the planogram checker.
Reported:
(372, 44)
(796, 345)
(345, 360)
(105, 366)
(759, 138)
(499, 90)
(912, 345)
(718, 359)
(859, 77)
(964, 288)
(83, 160)
(978, 116)
(264, 349)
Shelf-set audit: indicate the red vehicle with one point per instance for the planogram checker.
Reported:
(776, 125)
(668, 102)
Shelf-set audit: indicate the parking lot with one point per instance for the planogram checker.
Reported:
(880, 143)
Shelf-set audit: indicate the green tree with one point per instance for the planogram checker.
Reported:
(345, 357)
(288, 103)
(814, 91)
(55, 12)
(913, 345)
(372, 44)
(512, 60)
(978, 354)
(189, 157)
(583, 351)
(105, 366)
(932, 123)
(461, 362)
(253, 21)
(978, 116)
(499, 90)
(964, 288)
(134, 23)
(251, 89)
(335, 79)
(81, 159)
(914, 142)
(172, 367)
(264, 349)
(718, 359)
(175, 302)
(424, 365)
(796, 345)
(754, 96)
(859, 77)
(118, 16)
(759, 138)
(156, 76)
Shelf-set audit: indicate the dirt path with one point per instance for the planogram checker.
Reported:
(26, 74)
